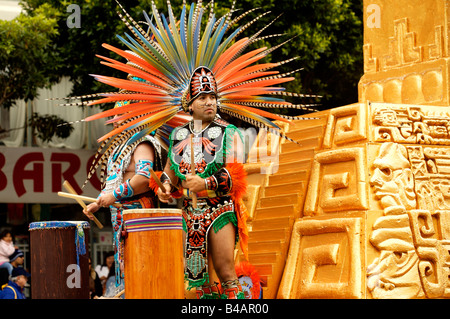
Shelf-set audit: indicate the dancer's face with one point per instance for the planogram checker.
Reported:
(204, 108)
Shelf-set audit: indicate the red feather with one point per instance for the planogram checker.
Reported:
(246, 269)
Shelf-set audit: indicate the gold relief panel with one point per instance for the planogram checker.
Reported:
(413, 260)
(411, 124)
(401, 32)
(337, 182)
(345, 125)
(412, 235)
(402, 47)
(324, 260)
(425, 83)
(431, 170)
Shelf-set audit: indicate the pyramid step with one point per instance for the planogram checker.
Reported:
(287, 188)
(274, 212)
(263, 258)
(299, 133)
(303, 124)
(306, 154)
(287, 199)
(264, 269)
(265, 247)
(283, 178)
(272, 235)
(303, 144)
(272, 223)
(294, 166)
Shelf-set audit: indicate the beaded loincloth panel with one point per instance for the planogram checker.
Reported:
(210, 212)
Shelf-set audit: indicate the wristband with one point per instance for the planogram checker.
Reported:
(223, 181)
(211, 183)
(124, 190)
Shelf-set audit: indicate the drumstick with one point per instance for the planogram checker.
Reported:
(83, 198)
(70, 189)
(119, 294)
(194, 195)
(155, 177)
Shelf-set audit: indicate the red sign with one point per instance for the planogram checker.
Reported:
(36, 175)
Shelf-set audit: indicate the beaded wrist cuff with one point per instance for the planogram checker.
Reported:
(124, 190)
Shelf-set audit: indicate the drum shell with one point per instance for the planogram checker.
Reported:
(53, 259)
(153, 261)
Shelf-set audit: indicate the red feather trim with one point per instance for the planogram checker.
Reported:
(248, 270)
(152, 183)
(239, 188)
(238, 179)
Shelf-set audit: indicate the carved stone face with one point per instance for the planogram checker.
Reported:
(392, 179)
(394, 273)
(394, 276)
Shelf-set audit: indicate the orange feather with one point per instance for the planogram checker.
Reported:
(129, 85)
(247, 77)
(240, 63)
(229, 53)
(258, 84)
(138, 60)
(258, 111)
(136, 72)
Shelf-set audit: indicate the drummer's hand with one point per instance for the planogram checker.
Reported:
(90, 209)
(164, 195)
(195, 183)
(106, 200)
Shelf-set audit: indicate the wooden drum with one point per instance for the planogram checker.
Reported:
(59, 252)
(153, 258)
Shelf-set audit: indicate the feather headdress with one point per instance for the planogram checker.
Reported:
(161, 62)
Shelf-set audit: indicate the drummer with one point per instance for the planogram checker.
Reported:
(218, 183)
(127, 182)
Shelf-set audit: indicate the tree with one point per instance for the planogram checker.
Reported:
(77, 45)
(327, 38)
(28, 59)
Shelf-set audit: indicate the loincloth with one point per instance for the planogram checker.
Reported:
(211, 212)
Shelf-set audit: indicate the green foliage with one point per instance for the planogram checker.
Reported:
(77, 47)
(327, 36)
(28, 57)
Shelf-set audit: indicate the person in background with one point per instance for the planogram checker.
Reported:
(104, 269)
(6, 249)
(14, 288)
(17, 258)
(95, 284)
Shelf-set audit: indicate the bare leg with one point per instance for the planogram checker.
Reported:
(221, 248)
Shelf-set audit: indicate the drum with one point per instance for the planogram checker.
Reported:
(153, 261)
(59, 254)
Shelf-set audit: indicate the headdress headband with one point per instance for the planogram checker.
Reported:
(202, 81)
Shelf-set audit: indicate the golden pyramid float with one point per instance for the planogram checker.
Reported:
(361, 208)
